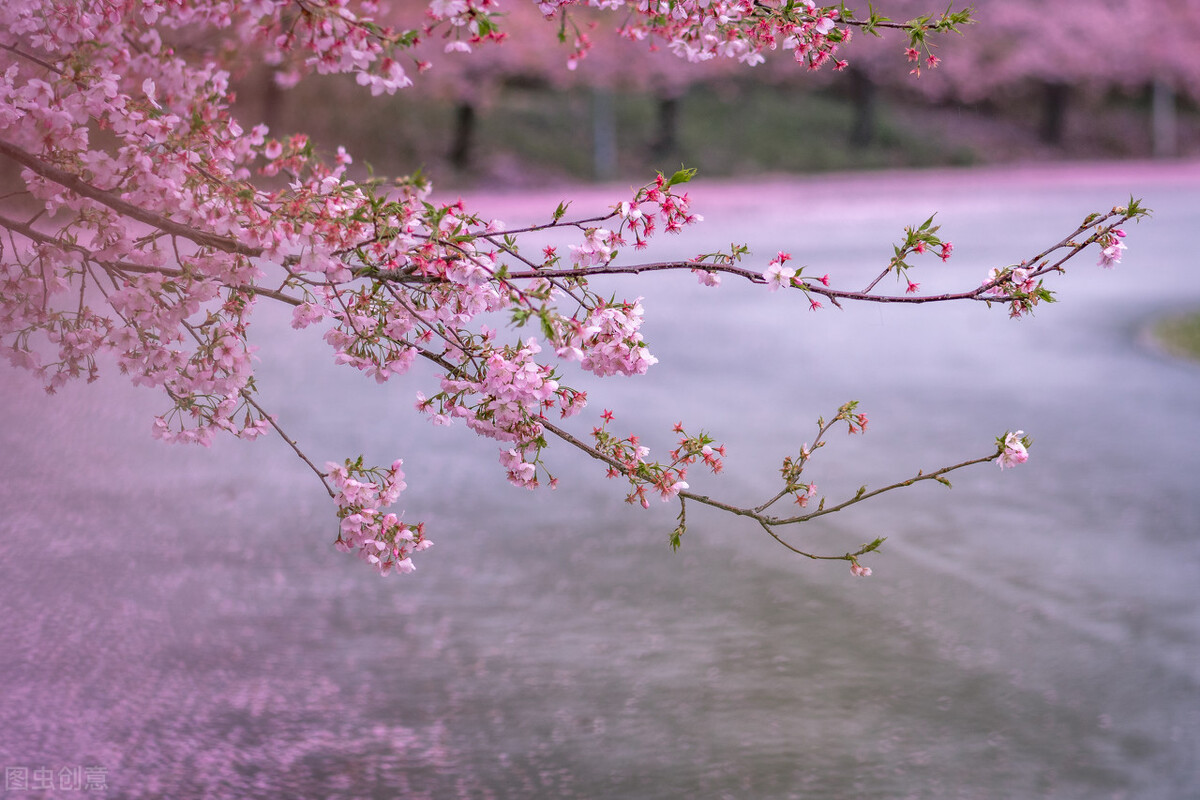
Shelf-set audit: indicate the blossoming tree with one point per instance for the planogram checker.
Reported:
(146, 223)
(482, 77)
(1058, 48)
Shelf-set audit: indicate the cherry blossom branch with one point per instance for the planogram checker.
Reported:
(769, 522)
(126, 267)
(20, 53)
(796, 467)
(274, 423)
(131, 210)
(863, 494)
(180, 240)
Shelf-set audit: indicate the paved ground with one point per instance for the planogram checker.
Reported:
(177, 620)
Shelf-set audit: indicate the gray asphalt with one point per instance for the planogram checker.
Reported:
(178, 620)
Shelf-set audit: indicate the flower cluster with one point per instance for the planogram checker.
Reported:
(856, 421)
(596, 250)
(379, 538)
(627, 458)
(1021, 285)
(1018, 287)
(1111, 248)
(469, 22)
(746, 31)
(653, 205)
(657, 203)
(736, 29)
(693, 448)
(505, 398)
(328, 37)
(608, 341)
(859, 571)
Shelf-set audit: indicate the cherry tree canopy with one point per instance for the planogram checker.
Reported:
(144, 223)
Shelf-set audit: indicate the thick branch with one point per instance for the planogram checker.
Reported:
(33, 234)
(114, 201)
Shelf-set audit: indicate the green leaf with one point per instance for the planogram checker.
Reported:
(683, 175)
(874, 19)
(867, 548)
(547, 328)
(676, 538)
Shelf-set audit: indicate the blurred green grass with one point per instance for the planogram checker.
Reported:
(525, 136)
(1180, 334)
(733, 132)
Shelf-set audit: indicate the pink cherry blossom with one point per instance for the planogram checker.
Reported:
(778, 276)
(1014, 451)
(1113, 247)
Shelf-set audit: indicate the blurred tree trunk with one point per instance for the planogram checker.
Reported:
(1163, 133)
(604, 134)
(863, 93)
(1054, 112)
(272, 104)
(464, 135)
(666, 138)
